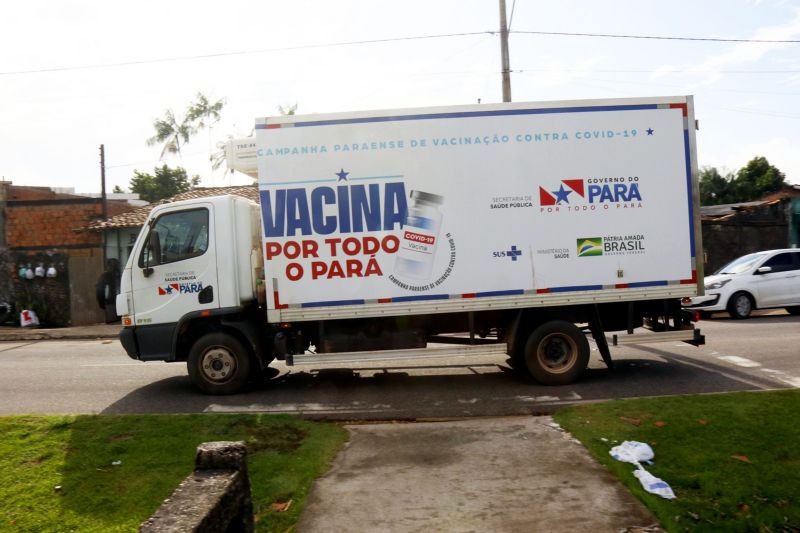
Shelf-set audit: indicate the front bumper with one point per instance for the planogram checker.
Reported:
(128, 341)
(708, 302)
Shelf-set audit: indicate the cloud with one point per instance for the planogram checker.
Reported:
(553, 74)
(779, 151)
(744, 53)
(664, 70)
(711, 70)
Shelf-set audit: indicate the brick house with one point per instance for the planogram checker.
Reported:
(119, 232)
(39, 227)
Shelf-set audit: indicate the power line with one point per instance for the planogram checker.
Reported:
(657, 37)
(511, 18)
(243, 52)
(386, 40)
(651, 71)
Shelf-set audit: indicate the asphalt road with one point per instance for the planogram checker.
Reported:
(82, 377)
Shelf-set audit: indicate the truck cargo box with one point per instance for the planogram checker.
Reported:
(457, 208)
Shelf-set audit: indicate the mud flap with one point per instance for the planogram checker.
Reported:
(599, 336)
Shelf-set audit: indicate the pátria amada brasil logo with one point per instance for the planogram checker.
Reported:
(590, 246)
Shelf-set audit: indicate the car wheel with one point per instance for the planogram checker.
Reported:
(794, 310)
(219, 364)
(556, 353)
(740, 305)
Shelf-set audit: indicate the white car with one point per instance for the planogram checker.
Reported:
(759, 280)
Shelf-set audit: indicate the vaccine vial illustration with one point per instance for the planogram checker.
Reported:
(420, 236)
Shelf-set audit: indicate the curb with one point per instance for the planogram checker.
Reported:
(18, 334)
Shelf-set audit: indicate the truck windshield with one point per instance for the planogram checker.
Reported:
(178, 236)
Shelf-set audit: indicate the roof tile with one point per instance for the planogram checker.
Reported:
(138, 216)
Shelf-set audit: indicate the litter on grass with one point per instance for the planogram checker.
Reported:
(281, 507)
(631, 451)
(654, 485)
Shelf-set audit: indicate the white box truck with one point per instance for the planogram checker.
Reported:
(515, 228)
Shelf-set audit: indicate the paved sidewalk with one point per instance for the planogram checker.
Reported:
(517, 474)
(93, 331)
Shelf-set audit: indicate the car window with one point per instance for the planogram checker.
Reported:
(742, 264)
(796, 256)
(781, 262)
(175, 237)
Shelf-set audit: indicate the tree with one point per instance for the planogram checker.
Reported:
(203, 114)
(757, 179)
(163, 183)
(751, 182)
(174, 132)
(170, 132)
(118, 189)
(715, 188)
(288, 109)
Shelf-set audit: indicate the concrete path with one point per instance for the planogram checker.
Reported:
(520, 474)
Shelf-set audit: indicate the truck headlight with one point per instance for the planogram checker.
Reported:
(717, 284)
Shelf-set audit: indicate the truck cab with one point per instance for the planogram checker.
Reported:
(194, 271)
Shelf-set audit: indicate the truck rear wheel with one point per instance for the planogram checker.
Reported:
(556, 353)
(219, 364)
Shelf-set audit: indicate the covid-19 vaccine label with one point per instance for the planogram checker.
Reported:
(419, 237)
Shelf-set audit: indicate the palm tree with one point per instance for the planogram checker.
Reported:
(174, 133)
(170, 132)
(203, 113)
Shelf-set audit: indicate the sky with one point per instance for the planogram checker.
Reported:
(78, 74)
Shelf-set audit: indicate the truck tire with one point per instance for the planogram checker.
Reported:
(219, 364)
(740, 305)
(102, 290)
(794, 310)
(556, 353)
(6, 310)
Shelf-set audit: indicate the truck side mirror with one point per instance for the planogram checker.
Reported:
(153, 253)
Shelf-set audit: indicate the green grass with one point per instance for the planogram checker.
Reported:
(694, 449)
(75, 454)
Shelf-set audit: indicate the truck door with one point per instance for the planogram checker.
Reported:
(175, 273)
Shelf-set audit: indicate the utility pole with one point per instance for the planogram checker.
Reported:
(4, 189)
(504, 52)
(103, 181)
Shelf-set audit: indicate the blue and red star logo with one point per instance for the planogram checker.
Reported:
(562, 194)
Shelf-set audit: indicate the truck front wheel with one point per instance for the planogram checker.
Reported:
(556, 353)
(219, 364)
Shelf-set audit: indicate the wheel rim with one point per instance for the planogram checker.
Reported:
(742, 305)
(218, 364)
(557, 353)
